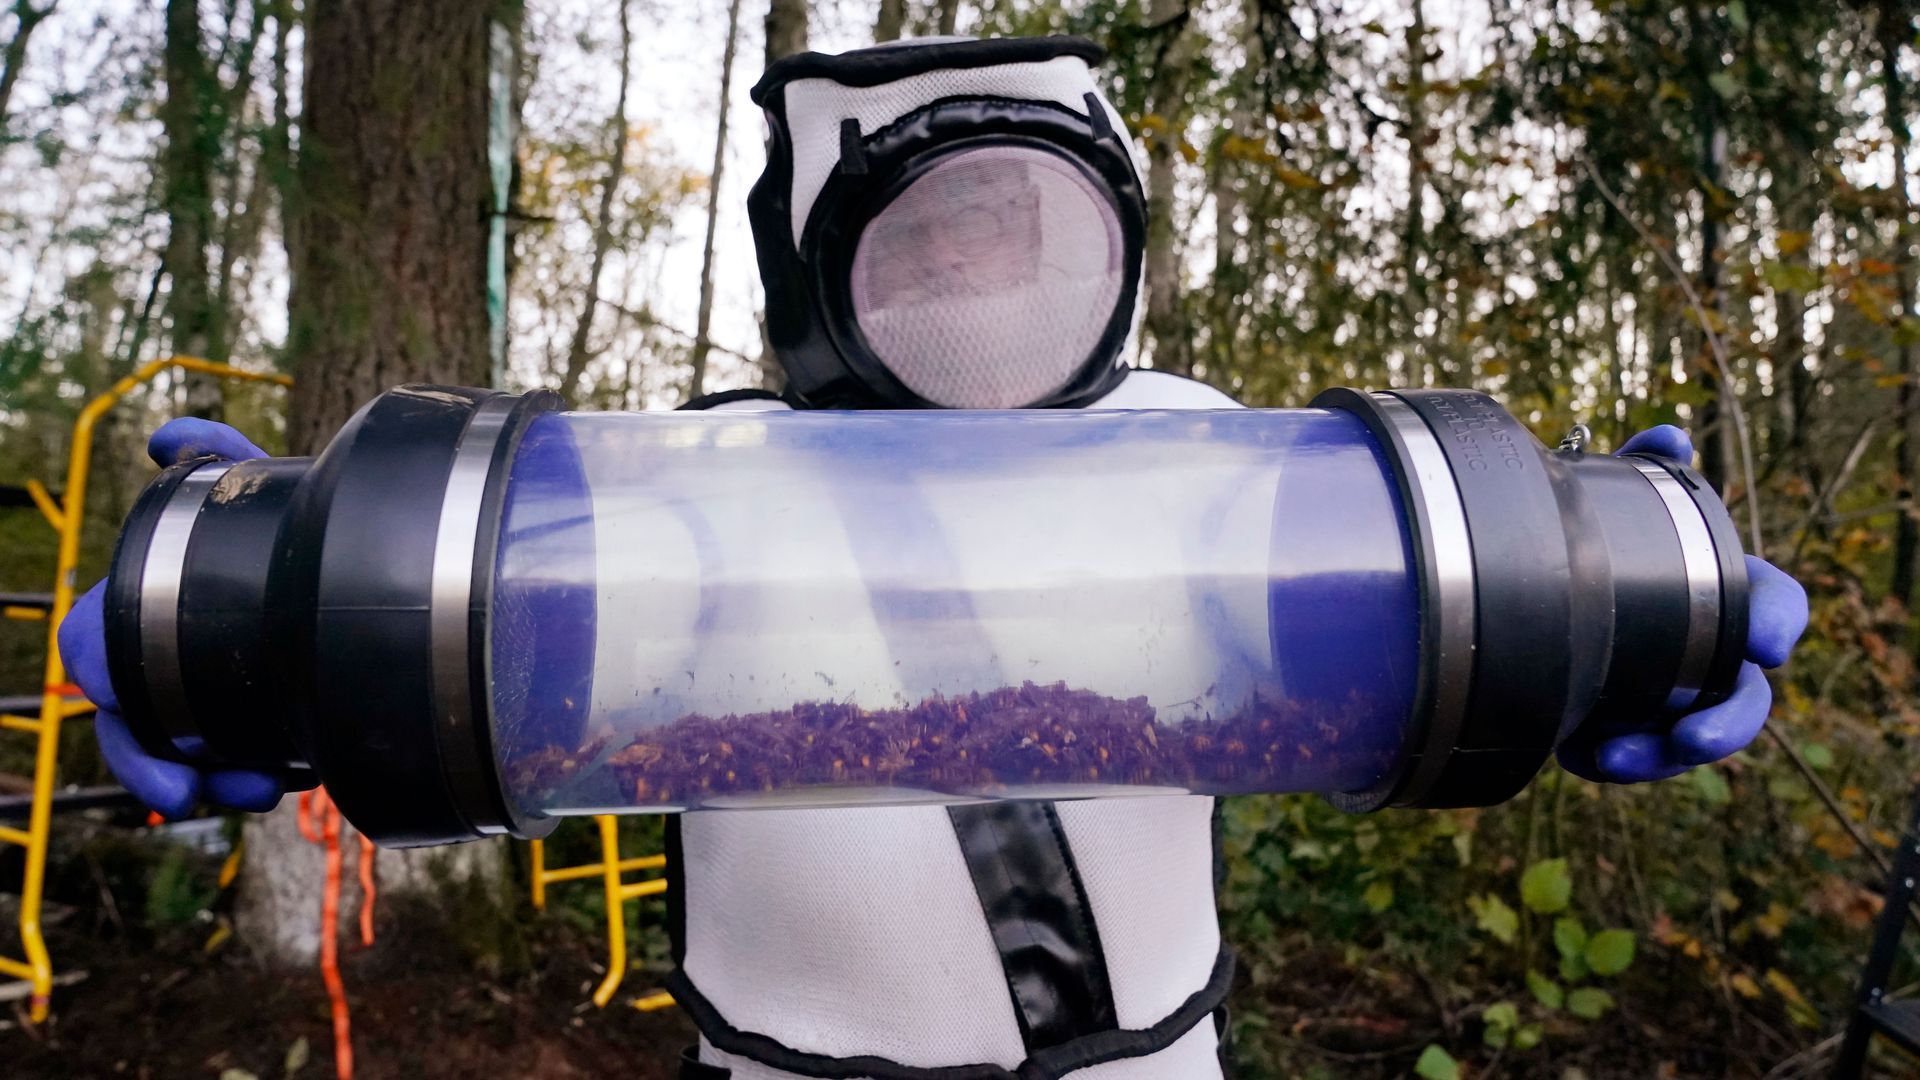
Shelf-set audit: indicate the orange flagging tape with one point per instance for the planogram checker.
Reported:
(366, 891)
(327, 832)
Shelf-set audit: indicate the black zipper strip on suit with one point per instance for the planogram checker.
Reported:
(676, 893)
(1042, 925)
(1049, 1064)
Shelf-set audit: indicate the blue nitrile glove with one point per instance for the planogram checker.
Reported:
(167, 786)
(1776, 614)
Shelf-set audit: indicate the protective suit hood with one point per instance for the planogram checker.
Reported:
(947, 223)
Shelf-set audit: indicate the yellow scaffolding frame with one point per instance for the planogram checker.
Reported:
(610, 870)
(55, 700)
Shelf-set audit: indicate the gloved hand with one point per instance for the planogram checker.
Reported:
(167, 786)
(1776, 615)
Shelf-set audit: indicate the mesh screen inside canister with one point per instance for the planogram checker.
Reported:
(988, 282)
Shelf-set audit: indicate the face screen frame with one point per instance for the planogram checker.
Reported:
(903, 154)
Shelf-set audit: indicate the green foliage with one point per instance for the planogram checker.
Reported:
(1546, 887)
(1495, 917)
(1501, 1019)
(1609, 952)
(1436, 1064)
(1589, 1002)
(1547, 992)
(1710, 785)
(178, 892)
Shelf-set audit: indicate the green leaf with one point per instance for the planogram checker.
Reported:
(1789, 277)
(1737, 16)
(1710, 785)
(1501, 1014)
(1495, 917)
(1545, 990)
(1436, 1064)
(1546, 886)
(1378, 897)
(1569, 937)
(1610, 951)
(1589, 1002)
(1724, 83)
(1573, 967)
(1527, 1037)
(1817, 755)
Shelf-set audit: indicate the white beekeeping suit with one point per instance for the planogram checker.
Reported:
(952, 224)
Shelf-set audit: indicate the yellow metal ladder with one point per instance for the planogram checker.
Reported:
(611, 870)
(59, 701)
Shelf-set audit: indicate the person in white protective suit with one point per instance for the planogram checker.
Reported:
(947, 223)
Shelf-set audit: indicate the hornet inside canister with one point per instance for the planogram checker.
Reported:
(475, 614)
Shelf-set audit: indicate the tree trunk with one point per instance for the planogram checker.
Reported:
(1166, 322)
(786, 28)
(1424, 356)
(887, 25)
(1906, 535)
(242, 225)
(786, 33)
(578, 349)
(949, 17)
(13, 56)
(276, 149)
(389, 286)
(702, 332)
(1717, 437)
(193, 136)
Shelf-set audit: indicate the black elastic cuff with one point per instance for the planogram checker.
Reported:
(692, 1068)
(1049, 1064)
(728, 397)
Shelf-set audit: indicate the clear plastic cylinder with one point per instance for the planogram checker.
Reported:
(735, 609)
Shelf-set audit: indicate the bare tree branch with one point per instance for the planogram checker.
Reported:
(577, 350)
(704, 321)
(1729, 396)
(14, 55)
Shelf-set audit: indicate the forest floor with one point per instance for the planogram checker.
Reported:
(417, 1012)
(507, 998)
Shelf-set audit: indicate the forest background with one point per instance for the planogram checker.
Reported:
(1617, 212)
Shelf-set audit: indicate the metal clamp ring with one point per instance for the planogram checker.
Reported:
(1449, 559)
(1703, 582)
(160, 579)
(450, 607)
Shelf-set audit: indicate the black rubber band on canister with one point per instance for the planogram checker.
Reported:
(1581, 607)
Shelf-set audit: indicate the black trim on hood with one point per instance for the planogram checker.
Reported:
(887, 63)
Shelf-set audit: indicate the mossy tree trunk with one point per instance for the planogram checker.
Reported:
(190, 120)
(390, 203)
(389, 282)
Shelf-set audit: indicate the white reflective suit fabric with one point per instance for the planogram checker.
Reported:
(860, 932)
